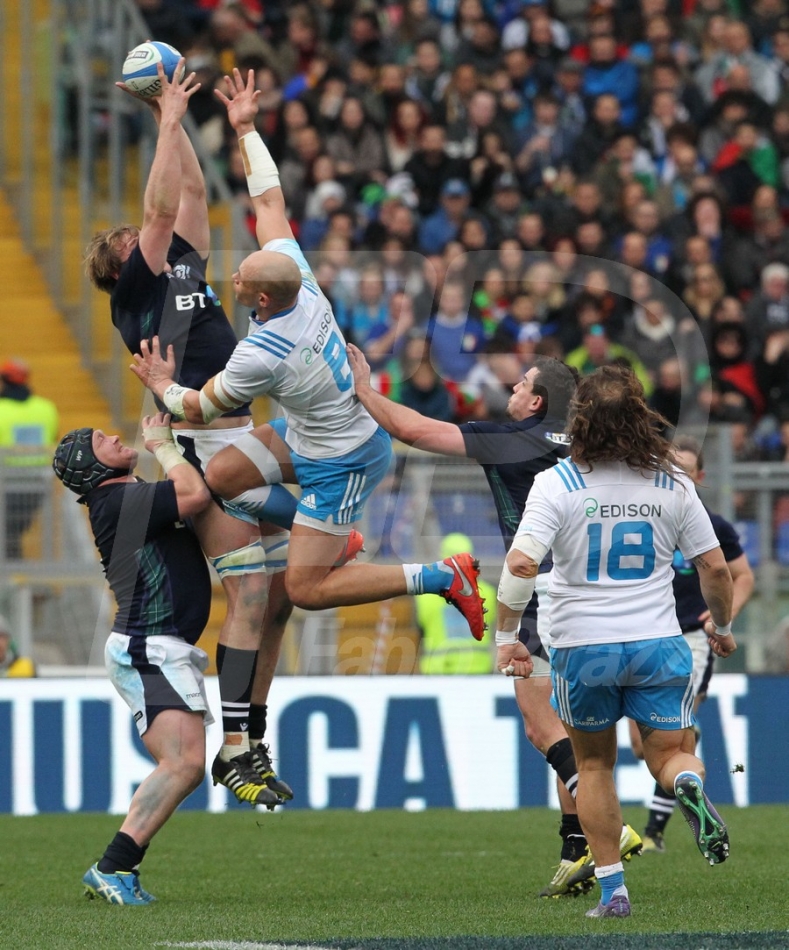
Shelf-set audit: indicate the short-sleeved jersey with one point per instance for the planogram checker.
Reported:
(298, 357)
(687, 588)
(152, 561)
(512, 454)
(613, 532)
(181, 308)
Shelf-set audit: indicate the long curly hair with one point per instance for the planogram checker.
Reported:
(609, 421)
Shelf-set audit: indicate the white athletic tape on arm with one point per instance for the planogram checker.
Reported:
(260, 168)
(515, 592)
(208, 410)
(530, 546)
(723, 631)
(222, 395)
(173, 398)
(168, 456)
(158, 434)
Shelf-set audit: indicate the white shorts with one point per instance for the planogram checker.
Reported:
(542, 666)
(203, 444)
(700, 649)
(157, 673)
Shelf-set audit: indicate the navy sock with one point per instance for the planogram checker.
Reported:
(122, 854)
(257, 722)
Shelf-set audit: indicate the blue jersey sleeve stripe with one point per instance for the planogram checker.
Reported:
(564, 477)
(273, 343)
(571, 475)
(276, 336)
(262, 345)
(578, 474)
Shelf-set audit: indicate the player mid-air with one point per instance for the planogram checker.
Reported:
(331, 446)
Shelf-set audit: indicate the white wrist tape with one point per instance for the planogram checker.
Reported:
(259, 166)
(506, 637)
(158, 434)
(722, 631)
(208, 410)
(168, 456)
(173, 398)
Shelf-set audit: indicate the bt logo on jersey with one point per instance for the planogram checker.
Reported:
(189, 301)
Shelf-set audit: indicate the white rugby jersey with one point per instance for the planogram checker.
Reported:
(298, 357)
(613, 533)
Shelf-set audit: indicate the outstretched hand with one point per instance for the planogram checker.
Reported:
(242, 100)
(151, 368)
(359, 366)
(174, 100)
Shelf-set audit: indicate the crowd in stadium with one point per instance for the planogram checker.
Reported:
(545, 138)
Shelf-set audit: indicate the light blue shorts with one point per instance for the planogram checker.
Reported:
(650, 681)
(157, 673)
(334, 491)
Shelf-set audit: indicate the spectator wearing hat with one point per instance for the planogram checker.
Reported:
(11, 663)
(505, 207)
(27, 422)
(443, 225)
(325, 198)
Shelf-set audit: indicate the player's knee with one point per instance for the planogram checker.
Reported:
(219, 474)
(190, 769)
(303, 592)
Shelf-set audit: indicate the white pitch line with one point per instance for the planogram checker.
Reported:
(242, 945)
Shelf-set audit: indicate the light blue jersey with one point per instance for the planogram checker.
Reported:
(298, 357)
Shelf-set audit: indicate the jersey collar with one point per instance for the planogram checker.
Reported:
(279, 313)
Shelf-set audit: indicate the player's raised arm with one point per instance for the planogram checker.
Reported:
(163, 191)
(261, 171)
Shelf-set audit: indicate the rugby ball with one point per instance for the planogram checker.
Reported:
(139, 69)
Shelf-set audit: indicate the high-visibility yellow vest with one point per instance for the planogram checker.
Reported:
(20, 667)
(26, 424)
(447, 644)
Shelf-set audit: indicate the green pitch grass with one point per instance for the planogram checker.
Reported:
(385, 881)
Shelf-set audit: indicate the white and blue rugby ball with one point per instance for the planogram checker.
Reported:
(139, 69)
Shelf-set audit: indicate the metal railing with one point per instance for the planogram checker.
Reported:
(74, 158)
